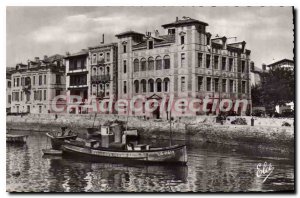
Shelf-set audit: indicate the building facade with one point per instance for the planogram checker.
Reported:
(185, 62)
(77, 81)
(35, 84)
(8, 89)
(103, 73)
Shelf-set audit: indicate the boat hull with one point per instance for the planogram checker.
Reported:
(172, 155)
(57, 142)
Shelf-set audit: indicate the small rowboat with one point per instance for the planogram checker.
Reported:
(175, 154)
(10, 138)
(58, 138)
(51, 152)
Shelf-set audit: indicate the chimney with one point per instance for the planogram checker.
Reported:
(102, 42)
(45, 57)
(156, 33)
(252, 66)
(224, 42)
(36, 59)
(67, 53)
(243, 46)
(176, 19)
(264, 67)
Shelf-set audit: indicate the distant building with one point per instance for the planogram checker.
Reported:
(35, 84)
(257, 74)
(184, 61)
(286, 63)
(8, 89)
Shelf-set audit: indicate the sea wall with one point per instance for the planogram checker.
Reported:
(266, 132)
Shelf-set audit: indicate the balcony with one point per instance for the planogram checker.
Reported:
(100, 78)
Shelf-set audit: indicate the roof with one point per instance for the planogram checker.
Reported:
(184, 21)
(104, 45)
(130, 32)
(281, 61)
(80, 53)
(163, 39)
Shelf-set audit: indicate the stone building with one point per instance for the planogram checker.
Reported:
(103, 73)
(184, 61)
(35, 84)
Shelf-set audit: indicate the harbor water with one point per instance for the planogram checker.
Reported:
(210, 168)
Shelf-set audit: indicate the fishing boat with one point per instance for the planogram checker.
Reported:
(175, 154)
(58, 138)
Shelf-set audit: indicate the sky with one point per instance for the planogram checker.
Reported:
(38, 31)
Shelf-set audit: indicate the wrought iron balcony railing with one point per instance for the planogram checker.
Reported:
(101, 78)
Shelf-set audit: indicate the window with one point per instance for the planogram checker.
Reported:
(158, 85)
(124, 87)
(21, 95)
(181, 40)
(143, 64)
(216, 62)
(107, 70)
(171, 31)
(150, 44)
(208, 84)
(182, 60)
(107, 57)
(58, 79)
(40, 79)
(150, 64)
(45, 94)
(230, 64)
(22, 81)
(167, 62)
(33, 80)
(200, 59)
(243, 66)
(200, 83)
(94, 59)
(124, 66)
(158, 63)
(244, 88)
(166, 84)
(9, 84)
(207, 61)
(124, 48)
(182, 86)
(82, 62)
(18, 82)
(216, 84)
(151, 85)
(40, 109)
(223, 63)
(231, 86)
(101, 58)
(144, 86)
(136, 65)
(45, 79)
(224, 85)
(136, 86)
(9, 99)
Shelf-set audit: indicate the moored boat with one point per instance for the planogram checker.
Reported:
(58, 138)
(175, 154)
(52, 152)
(10, 138)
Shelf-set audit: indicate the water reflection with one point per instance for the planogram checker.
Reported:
(210, 168)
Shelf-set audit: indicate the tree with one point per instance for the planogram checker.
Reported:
(278, 87)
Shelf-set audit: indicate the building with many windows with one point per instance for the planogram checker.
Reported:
(8, 89)
(184, 61)
(35, 84)
(103, 72)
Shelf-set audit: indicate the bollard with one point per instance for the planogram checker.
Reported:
(252, 121)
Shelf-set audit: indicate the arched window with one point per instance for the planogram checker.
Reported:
(151, 85)
(143, 64)
(158, 85)
(158, 63)
(107, 70)
(136, 65)
(94, 71)
(94, 59)
(150, 63)
(166, 84)
(136, 86)
(144, 85)
(100, 71)
(167, 62)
